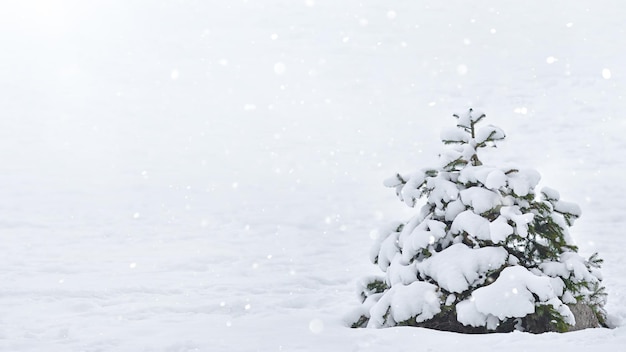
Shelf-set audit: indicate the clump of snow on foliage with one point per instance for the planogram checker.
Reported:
(480, 199)
(489, 133)
(454, 135)
(419, 300)
(523, 182)
(472, 224)
(513, 295)
(459, 267)
(426, 233)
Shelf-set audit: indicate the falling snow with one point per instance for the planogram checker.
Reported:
(279, 68)
(316, 326)
(205, 176)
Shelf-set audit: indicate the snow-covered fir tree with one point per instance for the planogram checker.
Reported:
(484, 254)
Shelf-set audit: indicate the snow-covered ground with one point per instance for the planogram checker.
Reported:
(206, 175)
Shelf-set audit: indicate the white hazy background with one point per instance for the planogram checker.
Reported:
(206, 175)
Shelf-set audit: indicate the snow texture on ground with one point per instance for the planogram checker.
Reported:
(207, 175)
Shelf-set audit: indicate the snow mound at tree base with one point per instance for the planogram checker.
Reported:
(538, 323)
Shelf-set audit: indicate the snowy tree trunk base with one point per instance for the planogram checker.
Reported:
(447, 321)
(536, 323)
